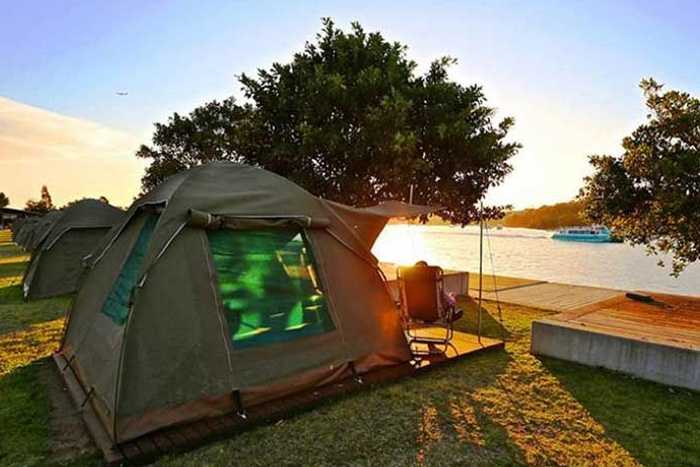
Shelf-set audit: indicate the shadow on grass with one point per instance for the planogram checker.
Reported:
(24, 417)
(24, 414)
(11, 294)
(10, 249)
(429, 419)
(658, 425)
(16, 314)
(455, 427)
(491, 325)
(13, 268)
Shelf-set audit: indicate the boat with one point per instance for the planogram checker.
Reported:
(591, 234)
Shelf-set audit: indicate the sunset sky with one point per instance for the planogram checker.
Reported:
(567, 71)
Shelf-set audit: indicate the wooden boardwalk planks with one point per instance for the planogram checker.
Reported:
(526, 292)
(552, 296)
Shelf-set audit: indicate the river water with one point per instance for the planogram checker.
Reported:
(532, 254)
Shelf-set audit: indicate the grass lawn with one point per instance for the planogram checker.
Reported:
(499, 408)
(29, 332)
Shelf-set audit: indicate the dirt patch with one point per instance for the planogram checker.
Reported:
(68, 436)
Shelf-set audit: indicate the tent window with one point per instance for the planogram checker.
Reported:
(268, 285)
(117, 304)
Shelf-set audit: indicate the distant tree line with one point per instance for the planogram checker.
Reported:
(45, 204)
(546, 217)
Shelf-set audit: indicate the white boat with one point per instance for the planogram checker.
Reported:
(592, 234)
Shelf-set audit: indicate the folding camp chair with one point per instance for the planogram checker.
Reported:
(423, 304)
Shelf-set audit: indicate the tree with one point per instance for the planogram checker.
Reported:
(350, 120)
(546, 217)
(651, 193)
(102, 199)
(4, 200)
(206, 134)
(44, 205)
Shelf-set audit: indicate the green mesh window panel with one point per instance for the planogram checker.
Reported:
(117, 304)
(269, 286)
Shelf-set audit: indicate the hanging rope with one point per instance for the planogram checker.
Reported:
(495, 285)
(517, 406)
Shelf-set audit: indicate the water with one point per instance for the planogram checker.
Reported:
(532, 254)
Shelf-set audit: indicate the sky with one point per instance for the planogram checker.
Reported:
(568, 72)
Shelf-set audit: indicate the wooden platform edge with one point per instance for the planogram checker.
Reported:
(569, 319)
(601, 330)
(680, 364)
(186, 437)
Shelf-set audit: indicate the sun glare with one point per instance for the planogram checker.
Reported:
(401, 244)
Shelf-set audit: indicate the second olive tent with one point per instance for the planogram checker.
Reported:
(228, 286)
(59, 243)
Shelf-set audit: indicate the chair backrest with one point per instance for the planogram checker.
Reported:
(420, 292)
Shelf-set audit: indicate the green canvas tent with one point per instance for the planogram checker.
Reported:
(40, 230)
(227, 285)
(25, 231)
(60, 242)
(17, 226)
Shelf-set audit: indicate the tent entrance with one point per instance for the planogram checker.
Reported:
(118, 301)
(269, 286)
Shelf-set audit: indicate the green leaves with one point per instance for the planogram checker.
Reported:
(651, 193)
(44, 205)
(348, 119)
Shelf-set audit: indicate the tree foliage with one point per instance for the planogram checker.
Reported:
(44, 205)
(4, 200)
(102, 199)
(546, 217)
(349, 119)
(651, 193)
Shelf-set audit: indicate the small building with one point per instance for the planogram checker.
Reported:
(9, 215)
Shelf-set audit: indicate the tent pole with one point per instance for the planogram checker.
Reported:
(481, 265)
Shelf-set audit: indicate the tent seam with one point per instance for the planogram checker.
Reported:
(218, 306)
(68, 229)
(120, 369)
(331, 300)
(123, 225)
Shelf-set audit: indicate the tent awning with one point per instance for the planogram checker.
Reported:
(391, 209)
(368, 223)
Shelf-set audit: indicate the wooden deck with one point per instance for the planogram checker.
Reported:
(462, 344)
(187, 437)
(670, 320)
(658, 341)
(552, 296)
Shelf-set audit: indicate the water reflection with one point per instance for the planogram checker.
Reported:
(532, 254)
